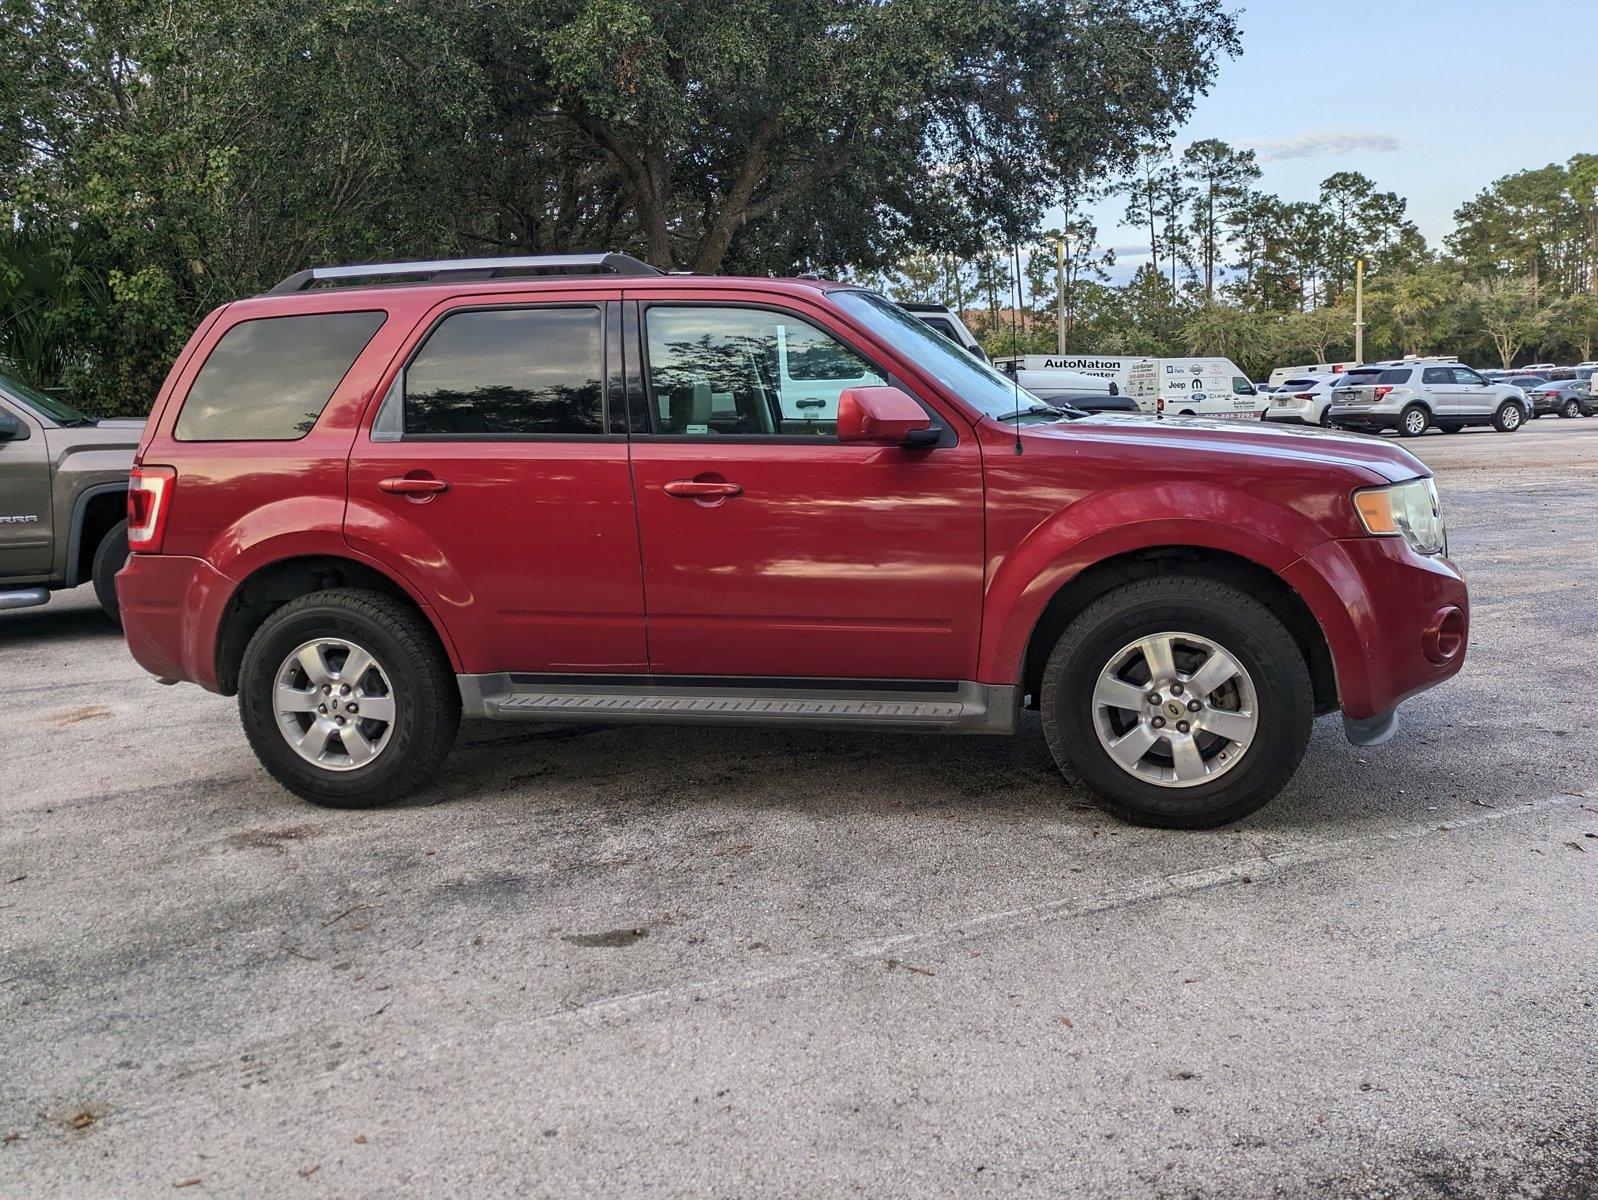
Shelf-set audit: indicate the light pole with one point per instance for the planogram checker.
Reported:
(1059, 292)
(1359, 311)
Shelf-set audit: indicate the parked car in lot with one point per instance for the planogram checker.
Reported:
(63, 497)
(1090, 393)
(947, 322)
(1567, 397)
(370, 509)
(1412, 396)
(1302, 401)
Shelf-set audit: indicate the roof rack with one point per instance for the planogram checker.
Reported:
(467, 268)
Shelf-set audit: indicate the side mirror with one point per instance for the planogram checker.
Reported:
(11, 428)
(884, 416)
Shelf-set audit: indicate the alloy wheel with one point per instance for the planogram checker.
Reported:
(334, 704)
(1175, 709)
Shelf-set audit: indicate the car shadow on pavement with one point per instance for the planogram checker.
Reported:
(56, 624)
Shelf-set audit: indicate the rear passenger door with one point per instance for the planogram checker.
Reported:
(1440, 391)
(493, 474)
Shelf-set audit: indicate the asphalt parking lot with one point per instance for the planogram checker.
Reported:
(625, 961)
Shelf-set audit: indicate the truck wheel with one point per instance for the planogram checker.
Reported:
(347, 698)
(110, 556)
(1414, 421)
(1570, 408)
(1508, 418)
(1183, 702)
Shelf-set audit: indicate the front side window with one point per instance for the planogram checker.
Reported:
(718, 372)
(1241, 386)
(269, 379)
(1467, 376)
(516, 372)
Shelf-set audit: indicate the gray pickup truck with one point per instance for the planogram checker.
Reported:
(63, 497)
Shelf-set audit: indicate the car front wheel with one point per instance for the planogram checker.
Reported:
(1508, 418)
(347, 698)
(1570, 408)
(1183, 702)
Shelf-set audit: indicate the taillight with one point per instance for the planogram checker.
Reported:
(149, 500)
(1303, 396)
(1382, 391)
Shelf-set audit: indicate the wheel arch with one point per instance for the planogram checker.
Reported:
(95, 512)
(1223, 566)
(274, 584)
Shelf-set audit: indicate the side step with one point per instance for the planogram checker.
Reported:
(962, 707)
(23, 598)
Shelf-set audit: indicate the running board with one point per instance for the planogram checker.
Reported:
(963, 707)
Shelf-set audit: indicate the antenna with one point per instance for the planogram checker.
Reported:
(1015, 341)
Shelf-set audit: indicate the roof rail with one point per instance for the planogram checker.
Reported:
(467, 268)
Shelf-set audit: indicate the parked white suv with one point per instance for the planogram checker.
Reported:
(1303, 400)
(1411, 397)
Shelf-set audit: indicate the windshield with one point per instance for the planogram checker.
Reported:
(978, 384)
(46, 406)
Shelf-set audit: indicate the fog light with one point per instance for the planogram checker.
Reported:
(1444, 637)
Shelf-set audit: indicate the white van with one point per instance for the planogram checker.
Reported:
(1179, 387)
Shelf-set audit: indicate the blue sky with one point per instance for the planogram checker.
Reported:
(1433, 99)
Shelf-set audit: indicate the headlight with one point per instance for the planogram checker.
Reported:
(1407, 510)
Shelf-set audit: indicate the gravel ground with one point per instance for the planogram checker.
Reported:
(608, 961)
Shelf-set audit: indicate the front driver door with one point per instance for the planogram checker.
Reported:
(25, 516)
(822, 560)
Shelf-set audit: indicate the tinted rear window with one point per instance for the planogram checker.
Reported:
(508, 373)
(269, 379)
(1300, 383)
(1401, 375)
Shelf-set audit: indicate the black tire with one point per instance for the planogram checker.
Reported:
(426, 699)
(1509, 417)
(110, 556)
(1247, 630)
(1450, 426)
(1570, 408)
(1414, 421)
(1325, 421)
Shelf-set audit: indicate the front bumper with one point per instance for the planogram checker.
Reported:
(1396, 622)
(171, 607)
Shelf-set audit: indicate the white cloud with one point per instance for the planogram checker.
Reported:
(1317, 142)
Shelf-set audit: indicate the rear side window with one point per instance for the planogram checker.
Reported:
(1392, 378)
(269, 379)
(524, 372)
(1438, 375)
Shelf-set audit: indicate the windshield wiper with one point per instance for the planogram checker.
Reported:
(1040, 409)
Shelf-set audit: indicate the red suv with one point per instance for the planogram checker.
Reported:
(570, 488)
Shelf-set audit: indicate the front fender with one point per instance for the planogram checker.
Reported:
(1116, 522)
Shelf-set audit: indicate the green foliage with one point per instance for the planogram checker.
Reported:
(160, 159)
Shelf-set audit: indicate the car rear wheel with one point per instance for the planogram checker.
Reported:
(1414, 421)
(1508, 418)
(1183, 702)
(347, 698)
(1450, 426)
(1570, 408)
(110, 556)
